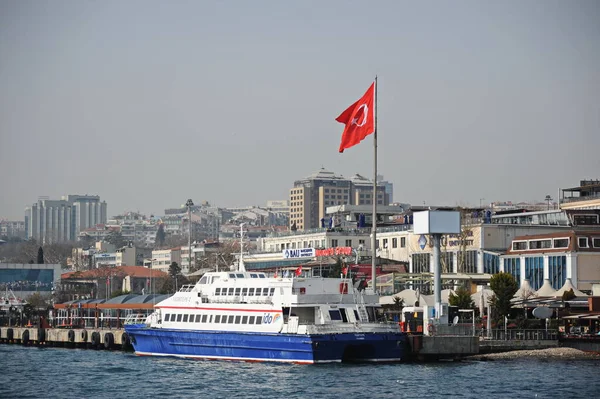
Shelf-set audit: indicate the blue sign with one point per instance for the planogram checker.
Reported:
(422, 241)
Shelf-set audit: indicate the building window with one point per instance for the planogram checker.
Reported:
(534, 271)
(596, 242)
(385, 243)
(519, 245)
(349, 243)
(402, 242)
(582, 242)
(361, 242)
(561, 243)
(467, 261)
(491, 263)
(540, 244)
(394, 243)
(334, 243)
(512, 266)
(420, 264)
(557, 271)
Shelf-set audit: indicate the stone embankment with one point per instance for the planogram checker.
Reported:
(550, 353)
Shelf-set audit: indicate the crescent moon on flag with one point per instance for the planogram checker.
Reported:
(365, 112)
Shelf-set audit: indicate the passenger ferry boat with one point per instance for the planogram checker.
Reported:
(241, 315)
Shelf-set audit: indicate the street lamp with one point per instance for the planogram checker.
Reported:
(189, 205)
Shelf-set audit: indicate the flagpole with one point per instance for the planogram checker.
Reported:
(374, 217)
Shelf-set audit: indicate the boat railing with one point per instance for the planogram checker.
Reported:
(240, 299)
(137, 318)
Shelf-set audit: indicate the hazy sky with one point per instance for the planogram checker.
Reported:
(149, 103)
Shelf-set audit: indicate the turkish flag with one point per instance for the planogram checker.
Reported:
(298, 271)
(359, 119)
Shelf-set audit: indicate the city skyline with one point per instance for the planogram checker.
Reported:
(148, 104)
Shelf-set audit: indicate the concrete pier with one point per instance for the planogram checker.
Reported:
(76, 337)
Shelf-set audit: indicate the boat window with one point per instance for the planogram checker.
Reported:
(217, 318)
(244, 319)
(217, 291)
(185, 318)
(204, 318)
(215, 278)
(238, 319)
(167, 317)
(265, 292)
(356, 315)
(237, 291)
(231, 317)
(272, 292)
(344, 315)
(253, 275)
(231, 291)
(203, 280)
(261, 275)
(179, 317)
(210, 318)
(250, 319)
(251, 292)
(231, 275)
(258, 320)
(244, 291)
(240, 275)
(223, 319)
(197, 318)
(335, 315)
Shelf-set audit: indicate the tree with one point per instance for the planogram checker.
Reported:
(40, 256)
(160, 236)
(461, 298)
(174, 270)
(116, 238)
(504, 286)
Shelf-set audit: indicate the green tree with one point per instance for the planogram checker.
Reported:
(160, 236)
(504, 286)
(40, 256)
(174, 270)
(116, 238)
(117, 293)
(461, 298)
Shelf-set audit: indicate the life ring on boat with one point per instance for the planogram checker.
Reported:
(71, 336)
(84, 335)
(109, 340)
(25, 337)
(10, 334)
(431, 328)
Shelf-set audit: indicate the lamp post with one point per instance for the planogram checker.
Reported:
(189, 205)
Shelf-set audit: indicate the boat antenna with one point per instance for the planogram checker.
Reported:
(241, 267)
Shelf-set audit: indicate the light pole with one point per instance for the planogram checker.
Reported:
(548, 199)
(189, 205)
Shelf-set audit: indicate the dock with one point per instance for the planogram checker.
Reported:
(91, 338)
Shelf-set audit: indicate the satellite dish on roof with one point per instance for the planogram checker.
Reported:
(542, 312)
(455, 320)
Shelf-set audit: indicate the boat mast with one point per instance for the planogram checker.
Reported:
(241, 267)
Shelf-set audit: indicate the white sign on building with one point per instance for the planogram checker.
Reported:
(298, 253)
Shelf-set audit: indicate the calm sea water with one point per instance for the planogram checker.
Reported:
(29, 372)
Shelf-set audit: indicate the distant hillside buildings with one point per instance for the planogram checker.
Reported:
(310, 196)
(51, 221)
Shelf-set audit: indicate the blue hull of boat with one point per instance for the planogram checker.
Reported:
(291, 348)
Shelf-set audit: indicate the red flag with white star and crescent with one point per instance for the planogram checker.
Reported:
(359, 120)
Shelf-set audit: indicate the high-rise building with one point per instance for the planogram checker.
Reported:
(312, 195)
(50, 221)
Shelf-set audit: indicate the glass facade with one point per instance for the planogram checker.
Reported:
(467, 261)
(420, 264)
(512, 266)
(26, 279)
(491, 263)
(534, 271)
(557, 271)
